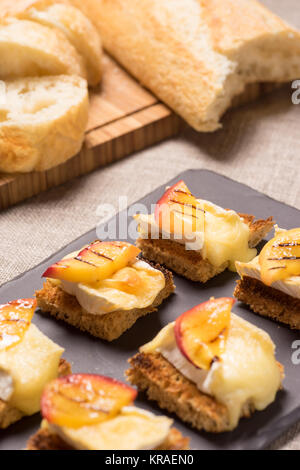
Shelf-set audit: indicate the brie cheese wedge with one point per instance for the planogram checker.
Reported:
(103, 298)
(132, 429)
(26, 368)
(247, 371)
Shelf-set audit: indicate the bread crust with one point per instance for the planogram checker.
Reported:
(189, 263)
(10, 415)
(269, 302)
(37, 50)
(9, 8)
(44, 440)
(44, 122)
(197, 55)
(164, 384)
(76, 27)
(53, 300)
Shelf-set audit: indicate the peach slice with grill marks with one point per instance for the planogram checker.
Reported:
(15, 319)
(94, 263)
(280, 257)
(179, 212)
(84, 399)
(201, 332)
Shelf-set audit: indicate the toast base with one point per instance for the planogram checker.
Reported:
(164, 384)
(44, 440)
(53, 300)
(10, 415)
(269, 302)
(189, 263)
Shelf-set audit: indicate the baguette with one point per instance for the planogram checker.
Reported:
(30, 49)
(76, 27)
(13, 8)
(42, 122)
(197, 55)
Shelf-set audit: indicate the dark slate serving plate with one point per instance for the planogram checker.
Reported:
(88, 354)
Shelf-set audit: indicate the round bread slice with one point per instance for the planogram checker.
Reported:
(77, 27)
(42, 122)
(13, 8)
(28, 48)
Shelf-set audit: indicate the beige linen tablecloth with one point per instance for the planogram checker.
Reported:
(259, 146)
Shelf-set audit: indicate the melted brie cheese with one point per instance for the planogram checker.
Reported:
(225, 238)
(247, 372)
(31, 364)
(6, 386)
(101, 299)
(148, 227)
(290, 285)
(132, 429)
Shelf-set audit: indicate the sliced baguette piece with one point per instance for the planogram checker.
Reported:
(190, 264)
(53, 300)
(13, 8)
(164, 384)
(79, 30)
(44, 440)
(197, 55)
(10, 415)
(30, 49)
(42, 122)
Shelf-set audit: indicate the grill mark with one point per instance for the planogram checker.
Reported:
(100, 255)
(282, 258)
(219, 335)
(277, 267)
(192, 215)
(84, 261)
(286, 244)
(181, 192)
(187, 205)
(15, 321)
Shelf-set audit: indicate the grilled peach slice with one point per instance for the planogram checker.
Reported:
(94, 263)
(280, 257)
(15, 319)
(202, 331)
(179, 212)
(84, 399)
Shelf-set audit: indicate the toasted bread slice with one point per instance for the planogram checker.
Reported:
(10, 415)
(269, 302)
(44, 440)
(164, 384)
(53, 300)
(190, 264)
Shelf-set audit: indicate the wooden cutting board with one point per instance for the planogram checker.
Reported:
(124, 118)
